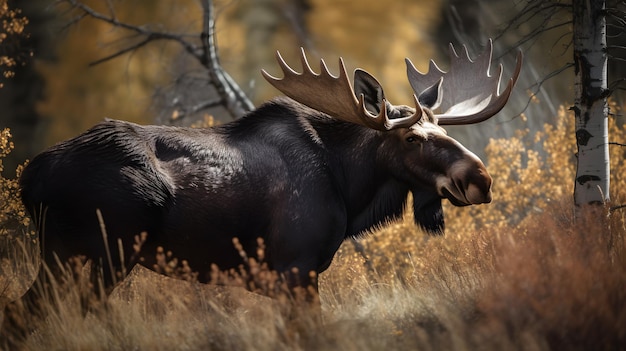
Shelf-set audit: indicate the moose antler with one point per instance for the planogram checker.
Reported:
(470, 93)
(334, 95)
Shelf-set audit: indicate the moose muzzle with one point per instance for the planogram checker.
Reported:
(466, 183)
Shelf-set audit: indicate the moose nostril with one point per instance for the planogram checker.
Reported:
(478, 195)
(479, 187)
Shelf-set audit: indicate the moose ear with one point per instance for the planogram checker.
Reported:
(365, 84)
(431, 96)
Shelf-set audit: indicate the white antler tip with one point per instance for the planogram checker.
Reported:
(324, 68)
(453, 53)
(305, 63)
(277, 55)
(283, 65)
(418, 106)
(467, 53)
(342, 68)
(268, 76)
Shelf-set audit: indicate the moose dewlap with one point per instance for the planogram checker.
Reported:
(304, 173)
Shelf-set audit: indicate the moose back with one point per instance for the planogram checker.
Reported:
(304, 173)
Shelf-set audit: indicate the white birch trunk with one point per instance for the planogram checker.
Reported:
(590, 104)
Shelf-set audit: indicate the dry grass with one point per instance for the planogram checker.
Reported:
(521, 273)
(545, 284)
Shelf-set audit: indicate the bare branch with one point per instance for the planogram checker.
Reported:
(540, 83)
(617, 15)
(230, 94)
(121, 52)
(237, 103)
(618, 207)
(73, 21)
(620, 29)
(149, 34)
(538, 29)
(111, 9)
(615, 85)
(535, 8)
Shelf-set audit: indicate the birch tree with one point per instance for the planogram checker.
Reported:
(590, 102)
(592, 54)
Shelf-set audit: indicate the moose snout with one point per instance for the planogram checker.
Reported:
(467, 183)
(478, 190)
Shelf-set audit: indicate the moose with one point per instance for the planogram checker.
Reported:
(304, 172)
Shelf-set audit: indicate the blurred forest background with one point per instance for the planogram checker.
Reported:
(521, 273)
(61, 92)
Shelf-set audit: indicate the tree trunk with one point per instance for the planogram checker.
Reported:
(233, 98)
(590, 102)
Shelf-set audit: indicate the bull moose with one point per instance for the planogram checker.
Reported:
(304, 172)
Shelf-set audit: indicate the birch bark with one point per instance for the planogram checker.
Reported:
(590, 102)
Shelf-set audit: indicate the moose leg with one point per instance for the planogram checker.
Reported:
(305, 246)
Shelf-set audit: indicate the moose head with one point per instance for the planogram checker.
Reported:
(416, 150)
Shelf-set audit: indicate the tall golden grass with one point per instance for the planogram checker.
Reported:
(521, 273)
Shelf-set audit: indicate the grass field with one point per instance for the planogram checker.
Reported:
(521, 273)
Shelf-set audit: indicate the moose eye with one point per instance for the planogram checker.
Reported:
(411, 139)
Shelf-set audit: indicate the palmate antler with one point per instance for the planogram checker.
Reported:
(469, 93)
(334, 95)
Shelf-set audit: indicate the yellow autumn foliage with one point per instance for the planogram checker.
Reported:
(12, 24)
(12, 213)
